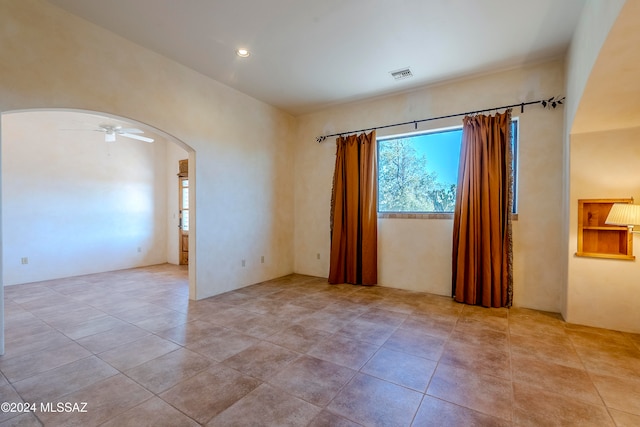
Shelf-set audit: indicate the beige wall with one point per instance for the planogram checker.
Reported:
(602, 163)
(243, 155)
(416, 253)
(604, 292)
(593, 28)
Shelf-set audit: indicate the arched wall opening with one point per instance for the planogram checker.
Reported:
(98, 205)
(602, 157)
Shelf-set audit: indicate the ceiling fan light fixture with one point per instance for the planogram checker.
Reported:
(243, 53)
(111, 132)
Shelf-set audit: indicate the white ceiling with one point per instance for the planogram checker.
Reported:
(308, 54)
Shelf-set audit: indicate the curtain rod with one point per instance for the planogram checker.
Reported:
(551, 103)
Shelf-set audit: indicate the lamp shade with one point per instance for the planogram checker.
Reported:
(624, 214)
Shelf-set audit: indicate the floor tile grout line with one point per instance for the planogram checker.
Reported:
(157, 395)
(588, 372)
(590, 375)
(379, 346)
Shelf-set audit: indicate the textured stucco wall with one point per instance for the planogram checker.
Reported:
(416, 253)
(604, 292)
(602, 132)
(242, 155)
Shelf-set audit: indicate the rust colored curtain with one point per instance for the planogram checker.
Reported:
(482, 246)
(354, 219)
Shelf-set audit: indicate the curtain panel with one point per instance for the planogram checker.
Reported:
(482, 241)
(354, 219)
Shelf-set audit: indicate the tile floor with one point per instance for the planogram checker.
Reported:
(298, 352)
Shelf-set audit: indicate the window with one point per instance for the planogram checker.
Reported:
(419, 172)
(184, 204)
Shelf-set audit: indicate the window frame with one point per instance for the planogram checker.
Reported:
(183, 212)
(515, 138)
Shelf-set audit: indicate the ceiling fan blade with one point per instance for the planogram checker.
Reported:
(138, 137)
(129, 130)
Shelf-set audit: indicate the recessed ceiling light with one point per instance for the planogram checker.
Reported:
(242, 53)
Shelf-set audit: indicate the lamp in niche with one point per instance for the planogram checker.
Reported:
(624, 214)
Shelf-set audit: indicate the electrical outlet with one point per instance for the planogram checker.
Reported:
(24, 260)
(244, 263)
(318, 255)
(262, 259)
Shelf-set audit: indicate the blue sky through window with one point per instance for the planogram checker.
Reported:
(442, 150)
(407, 184)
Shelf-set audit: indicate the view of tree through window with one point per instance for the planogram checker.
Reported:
(419, 173)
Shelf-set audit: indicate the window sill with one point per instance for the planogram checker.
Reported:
(424, 215)
(416, 215)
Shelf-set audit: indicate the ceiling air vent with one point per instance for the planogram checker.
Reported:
(402, 74)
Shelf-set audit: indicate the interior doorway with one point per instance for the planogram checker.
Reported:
(183, 211)
(114, 225)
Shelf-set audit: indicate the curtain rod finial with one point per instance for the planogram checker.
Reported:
(319, 139)
(553, 102)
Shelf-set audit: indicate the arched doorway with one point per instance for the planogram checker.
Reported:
(118, 184)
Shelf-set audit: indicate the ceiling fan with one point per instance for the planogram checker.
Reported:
(110, 132)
